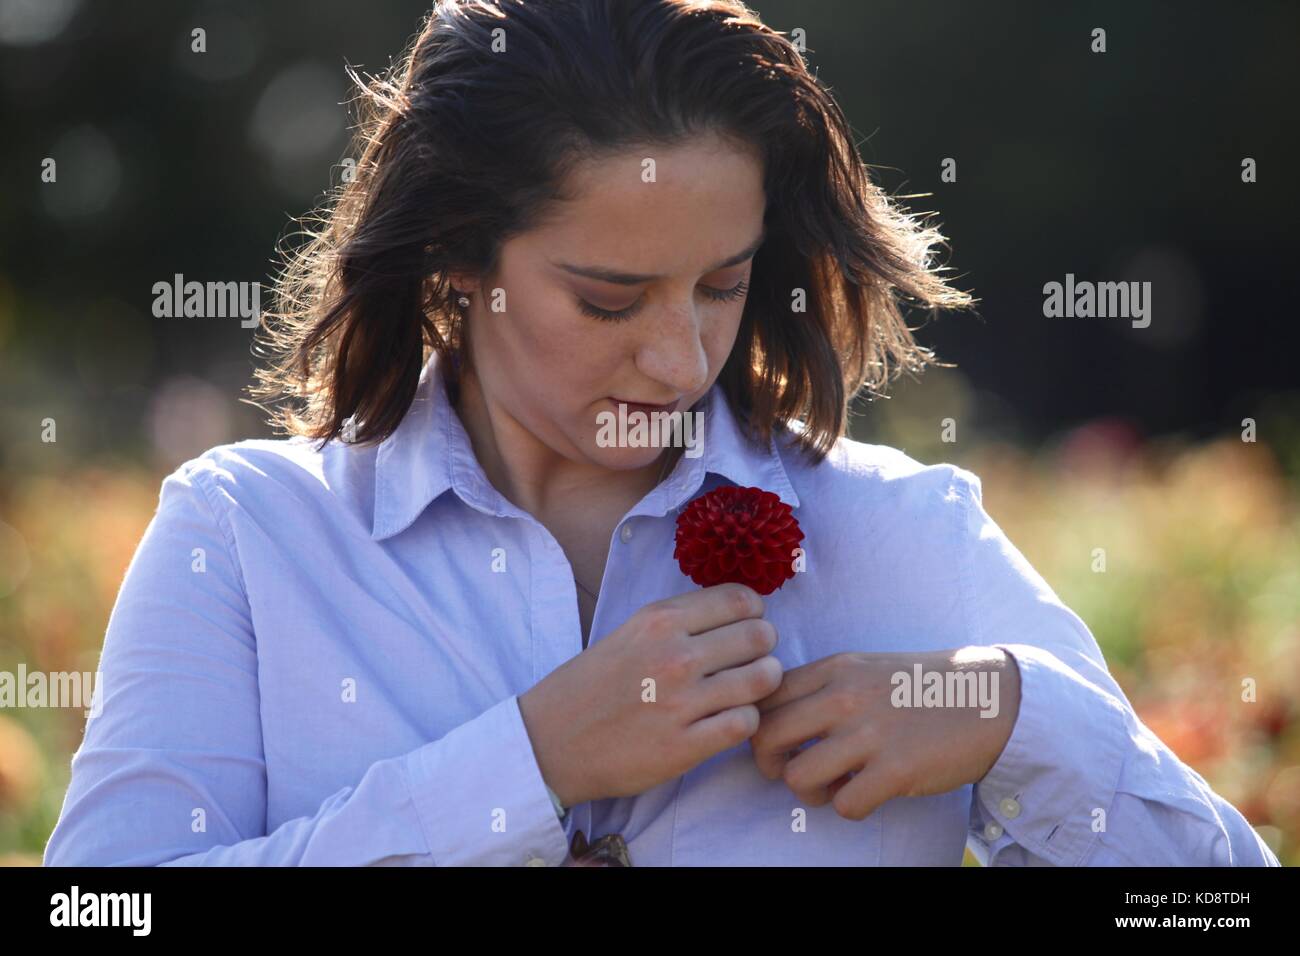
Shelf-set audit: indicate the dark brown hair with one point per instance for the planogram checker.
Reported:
(470, 139)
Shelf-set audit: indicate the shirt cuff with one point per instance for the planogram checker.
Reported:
(480, 797)
(1060, 766)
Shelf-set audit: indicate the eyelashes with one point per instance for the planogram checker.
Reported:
(717, 295)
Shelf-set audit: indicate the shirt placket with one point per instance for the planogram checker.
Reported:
(556, 628)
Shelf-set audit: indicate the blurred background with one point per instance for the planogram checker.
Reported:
(1175, 447)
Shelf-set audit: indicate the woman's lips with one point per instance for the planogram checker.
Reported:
(642, 407)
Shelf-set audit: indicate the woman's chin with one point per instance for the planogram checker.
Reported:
(626, 459)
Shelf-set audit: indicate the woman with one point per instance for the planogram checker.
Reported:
(442, 624)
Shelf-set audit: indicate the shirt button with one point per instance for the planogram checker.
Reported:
(535, 861)
(992, 831)
(626, 533)
(1010, 807)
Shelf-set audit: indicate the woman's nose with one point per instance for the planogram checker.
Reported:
(674, 353)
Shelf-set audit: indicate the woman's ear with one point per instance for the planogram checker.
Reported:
(463, 283)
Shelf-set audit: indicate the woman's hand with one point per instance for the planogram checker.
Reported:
(875, 742)
(676, 684)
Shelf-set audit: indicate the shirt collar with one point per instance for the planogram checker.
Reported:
(430, 452)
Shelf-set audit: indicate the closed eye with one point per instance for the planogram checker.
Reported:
(717, 295)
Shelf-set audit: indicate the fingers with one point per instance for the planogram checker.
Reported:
(843, 770)
(798, 682)
(864, 794)
(812, 771)
(834, 788)
(733, 645)
(713, 607)
(784, 729)
(721, 731)
(739, 685)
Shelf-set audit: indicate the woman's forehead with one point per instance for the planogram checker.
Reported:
(695, 210)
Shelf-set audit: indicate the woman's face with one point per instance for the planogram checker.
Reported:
(666, 247)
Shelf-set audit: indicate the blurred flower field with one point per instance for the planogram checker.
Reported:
(1199, 600)
(1200, 592)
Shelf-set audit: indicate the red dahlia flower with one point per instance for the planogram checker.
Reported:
(746, 535)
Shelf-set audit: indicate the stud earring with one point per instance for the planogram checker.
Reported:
(463, 302)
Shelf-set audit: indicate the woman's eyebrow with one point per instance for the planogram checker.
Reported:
(629, 278)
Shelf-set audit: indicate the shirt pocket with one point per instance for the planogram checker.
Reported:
(729, 814)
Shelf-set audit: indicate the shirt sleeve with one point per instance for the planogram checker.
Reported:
(1081, 781)
(171, 769)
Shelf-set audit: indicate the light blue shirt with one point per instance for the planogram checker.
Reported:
(312, 661)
